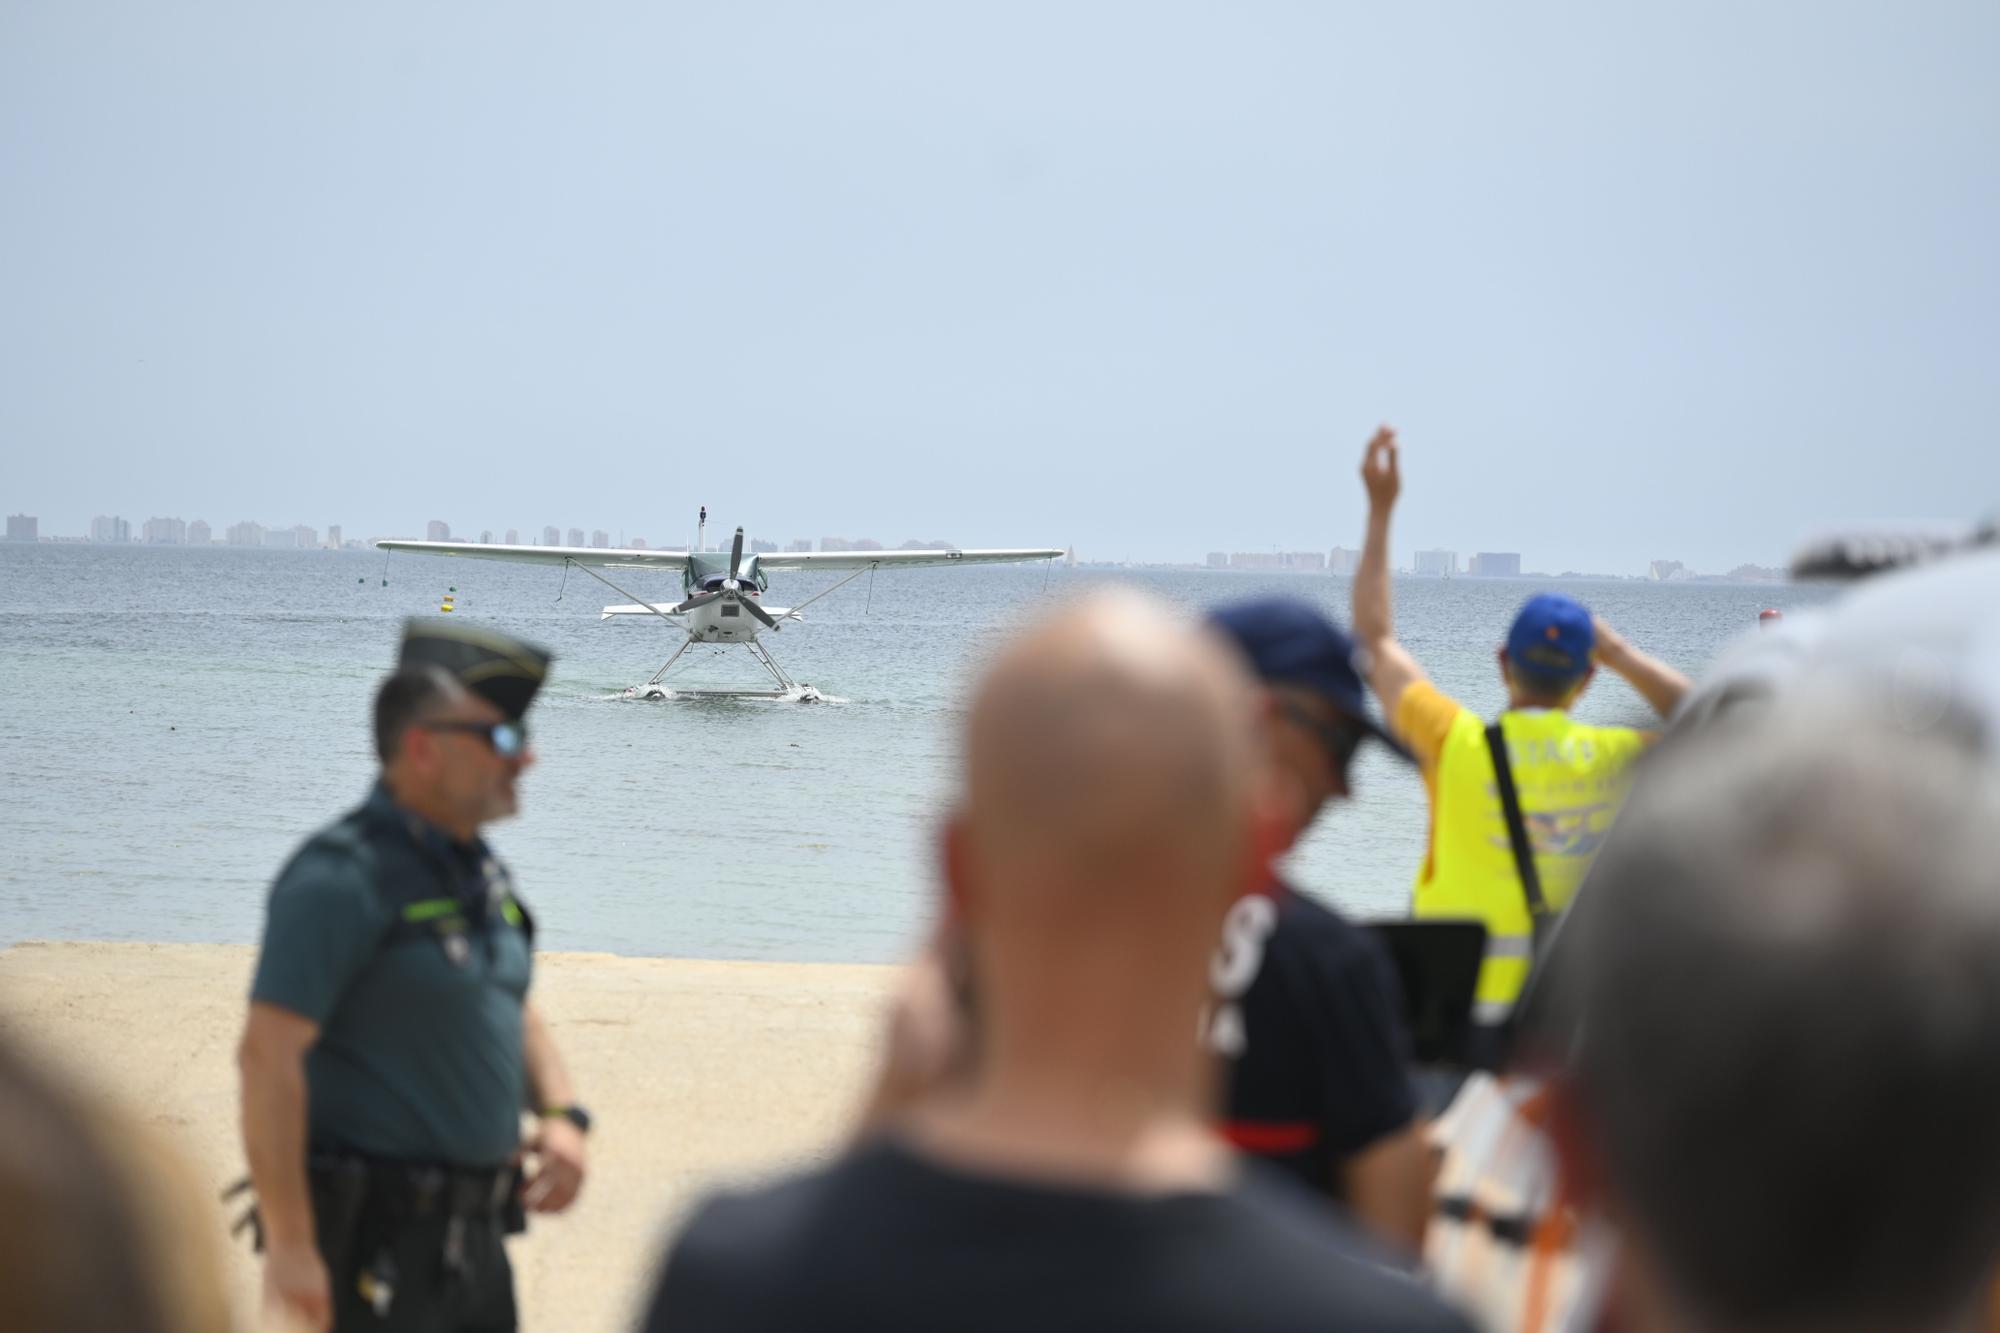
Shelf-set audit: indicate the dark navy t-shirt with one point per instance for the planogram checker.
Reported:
(887, 1240)
(1309, 1016)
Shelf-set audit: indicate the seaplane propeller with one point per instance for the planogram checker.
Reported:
(732, 589)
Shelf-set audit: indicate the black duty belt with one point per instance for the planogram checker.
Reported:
(418, 1189)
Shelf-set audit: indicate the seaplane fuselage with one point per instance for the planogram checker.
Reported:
(724, 620)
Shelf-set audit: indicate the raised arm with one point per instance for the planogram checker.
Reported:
(1391, 669)
(1659, 684)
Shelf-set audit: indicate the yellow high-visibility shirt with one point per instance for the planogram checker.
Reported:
(1571, 777)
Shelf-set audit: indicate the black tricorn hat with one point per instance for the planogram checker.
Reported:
(499, 669)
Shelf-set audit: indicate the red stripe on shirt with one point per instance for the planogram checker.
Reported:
(1271, 1136)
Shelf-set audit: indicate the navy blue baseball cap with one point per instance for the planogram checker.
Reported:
(1552, 638)
(1292, 642)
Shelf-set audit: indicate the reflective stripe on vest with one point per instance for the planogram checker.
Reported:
(1571, 778)
(430, 909)
(436, 909)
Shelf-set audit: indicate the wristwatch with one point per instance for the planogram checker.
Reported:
(573, 1113)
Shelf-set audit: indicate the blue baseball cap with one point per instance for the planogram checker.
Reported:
(1552, 638)
(1292, 642)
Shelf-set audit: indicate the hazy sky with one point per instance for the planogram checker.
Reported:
(1689, 279)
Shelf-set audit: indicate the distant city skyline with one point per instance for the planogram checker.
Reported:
(1338, 559)
(1430, 562)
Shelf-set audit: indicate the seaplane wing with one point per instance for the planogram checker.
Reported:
(722, 595)
(549, 555)
(781, 560)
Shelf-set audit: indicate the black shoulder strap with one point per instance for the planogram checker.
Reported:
(1517, 829)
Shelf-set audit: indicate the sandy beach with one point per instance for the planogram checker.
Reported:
(700, 1074)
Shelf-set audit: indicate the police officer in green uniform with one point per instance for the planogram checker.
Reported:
(391, 1046)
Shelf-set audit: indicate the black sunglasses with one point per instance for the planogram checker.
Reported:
(508, 739)
(1341, 738)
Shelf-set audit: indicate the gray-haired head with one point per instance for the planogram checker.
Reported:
(1785, 977)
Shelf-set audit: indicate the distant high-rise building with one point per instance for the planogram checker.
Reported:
(868, 544)
(513, 536)
(23, 528)
(282, 539)
(111, 528)
(1218, 559)
(1437, 563)
(576, 536)
(600, 540)
(486, 536)
(333, 537)
(163, 532)
(761, 547)
(1291, 561)
(1660, 571)
(637, 543)
(551, 537)
(1495, 565)
(800, 544)
(437, 530)
(1343, 561)
(305, 538)
(835, 544)
(198, 533)
(245, 533)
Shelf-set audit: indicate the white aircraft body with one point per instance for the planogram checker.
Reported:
(722, 598)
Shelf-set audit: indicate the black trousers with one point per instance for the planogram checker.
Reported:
(440, 1283)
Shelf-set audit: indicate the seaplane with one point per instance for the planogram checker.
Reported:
(721, 595)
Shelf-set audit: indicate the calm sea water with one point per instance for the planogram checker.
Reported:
(174, 721)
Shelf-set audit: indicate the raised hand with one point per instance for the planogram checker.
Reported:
(1380, 471)
(1610, 648)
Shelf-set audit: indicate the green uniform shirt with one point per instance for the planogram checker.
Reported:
(411, 954)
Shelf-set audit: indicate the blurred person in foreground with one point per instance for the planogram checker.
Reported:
(100, 1227)
(1115, 805)
(391, 1046)
(1564, 779)
(1777, 1011)
(1309, 1011)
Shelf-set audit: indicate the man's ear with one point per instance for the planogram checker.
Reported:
(416, 747)
(955, 869)
(1274, 822)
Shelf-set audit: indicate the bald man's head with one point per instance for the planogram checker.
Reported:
(1112, 750)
